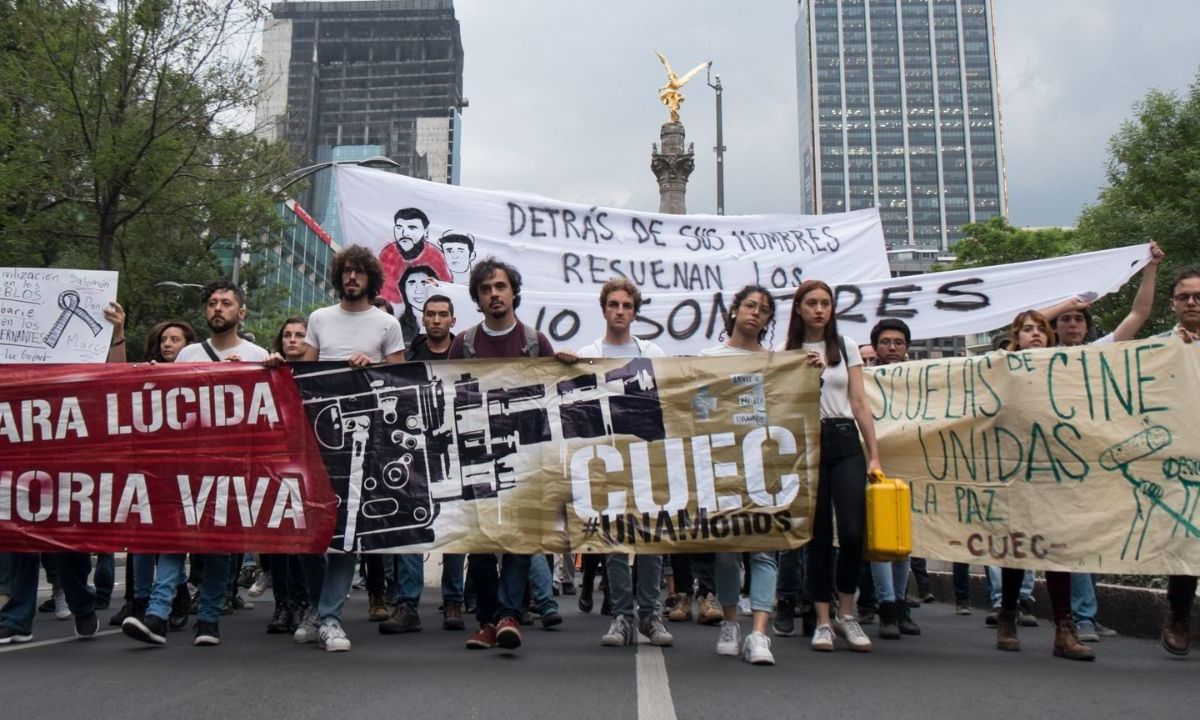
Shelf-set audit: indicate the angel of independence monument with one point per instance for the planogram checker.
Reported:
(671, 160)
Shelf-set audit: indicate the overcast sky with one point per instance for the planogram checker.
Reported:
(563, 95)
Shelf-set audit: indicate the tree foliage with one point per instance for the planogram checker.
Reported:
(995, 242)
(125, 142)
(1153, 192)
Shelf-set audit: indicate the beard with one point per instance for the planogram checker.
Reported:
(354, 293)
(217, 324)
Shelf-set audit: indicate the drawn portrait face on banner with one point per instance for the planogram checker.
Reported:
(414, 287)
(410, 229)
(459, 250)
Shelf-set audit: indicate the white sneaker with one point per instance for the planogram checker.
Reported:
(730, 639)
(61, 611)
(756, 650)
(822, 639)
(306, 631)
(847, 626)
(619, 633)
(743, 607)
(261, 582)
(333, 637)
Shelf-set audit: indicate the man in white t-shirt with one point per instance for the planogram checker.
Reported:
(356, 331)
(1072, 321)
(224, 310)
(620, 301)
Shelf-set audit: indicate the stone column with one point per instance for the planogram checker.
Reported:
(671, 167)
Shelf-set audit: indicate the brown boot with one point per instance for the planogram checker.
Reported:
(682, 612)
(1006, 630)
(1176, 634)
(1066, 642)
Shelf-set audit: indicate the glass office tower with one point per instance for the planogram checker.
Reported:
(899, 110)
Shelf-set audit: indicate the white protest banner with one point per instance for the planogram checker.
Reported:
(421, 229)
(960, 302)
(51, 315)
(933, 305)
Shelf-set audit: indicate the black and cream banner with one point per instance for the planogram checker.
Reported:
(648, 455)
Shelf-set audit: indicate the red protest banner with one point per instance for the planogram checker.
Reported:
(204, 457)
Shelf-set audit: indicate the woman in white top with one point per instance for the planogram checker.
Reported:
(749, 322)
(842, 487)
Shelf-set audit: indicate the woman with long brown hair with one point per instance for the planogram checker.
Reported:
(842, 484)
(1029, 331)
(166, 339)
(750, 321)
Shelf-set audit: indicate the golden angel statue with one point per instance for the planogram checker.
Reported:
(669, 94)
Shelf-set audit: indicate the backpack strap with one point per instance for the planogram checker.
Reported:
(469, 342)
(212, 354)
(532, 344)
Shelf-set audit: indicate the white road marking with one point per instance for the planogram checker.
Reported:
(13, 647)
(653, 689)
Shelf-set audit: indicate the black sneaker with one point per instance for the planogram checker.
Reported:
(102, 603)
(1025, 616)
(246, 576)
(550, 619)
(125, 611)
(86, 626)
(785, 617)
(152, 630)
(403, 619)
(207, 633)
(47, 606)
(14, 637)
(281, 621)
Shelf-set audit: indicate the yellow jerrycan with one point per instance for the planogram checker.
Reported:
(889, 519)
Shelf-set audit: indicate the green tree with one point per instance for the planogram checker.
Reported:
(125, 142)
(1153, 192)
(995, 242)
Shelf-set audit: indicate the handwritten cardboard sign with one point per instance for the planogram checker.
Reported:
(1082, 459)
(51, 315)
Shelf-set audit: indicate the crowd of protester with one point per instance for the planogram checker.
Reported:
(827, 586)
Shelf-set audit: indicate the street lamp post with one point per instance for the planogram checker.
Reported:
(714, 82)
(277, 187)
(178, 285)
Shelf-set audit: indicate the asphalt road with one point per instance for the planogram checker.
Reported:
(951, 671)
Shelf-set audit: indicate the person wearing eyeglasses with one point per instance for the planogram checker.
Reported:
(1181, 589)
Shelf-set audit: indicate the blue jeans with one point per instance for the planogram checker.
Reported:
(891, 580)
(498, 594)
(452, 578)
(541, 585)
(72, 570)
(620, 585)
(339, 578)
(143, 574)
(790, 582)
(993, 585)
(105, 577)
(1083, 597)
(409, 573)
(214, 581)
(764, 569)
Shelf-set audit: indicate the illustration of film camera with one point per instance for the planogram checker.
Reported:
(396, 450)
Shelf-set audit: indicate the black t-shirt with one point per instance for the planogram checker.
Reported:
(419, 350)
